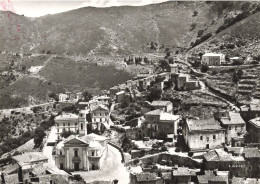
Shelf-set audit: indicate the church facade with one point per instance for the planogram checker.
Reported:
(81, 153)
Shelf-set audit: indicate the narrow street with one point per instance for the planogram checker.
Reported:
(47, 150)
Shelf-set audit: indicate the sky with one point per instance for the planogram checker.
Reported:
(37, 8)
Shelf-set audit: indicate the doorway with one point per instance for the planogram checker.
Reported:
(207, 146)
(76, 166)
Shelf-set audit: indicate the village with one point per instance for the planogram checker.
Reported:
(137, 132)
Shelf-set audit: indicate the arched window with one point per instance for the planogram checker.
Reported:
(60, 152)
(81, 126)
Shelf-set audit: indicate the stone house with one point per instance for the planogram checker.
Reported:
(252, 156)
(66, 122)
(69, 96)
(159, 124)
(254, 130)
(172, 68)
(162, 105)
(146, 82)
(27, 161)
(145, 178)
(212, 59)
(213, 177)
(134, 131)
(180, 175)
(105, 100)
(100, 117)
(81, 153)
(203, 134)
(183, 82)
(250, 111)
(120, 96)
(220, 160)
(234, 125)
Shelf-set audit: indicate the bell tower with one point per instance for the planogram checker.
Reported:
(83, 122)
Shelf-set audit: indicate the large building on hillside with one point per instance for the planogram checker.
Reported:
(81, 153)
(212, 59)
(162, 105)
(254, 130)
(100, 117)
(250, 111)
(159, 123)
(235, 127)
(66, 122)
(203, 134)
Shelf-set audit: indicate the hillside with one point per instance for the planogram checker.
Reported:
(113, 30)
(66, 44)
(240, 39)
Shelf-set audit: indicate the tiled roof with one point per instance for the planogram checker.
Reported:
(233, 119)
(221, 155)
(154, 112)
(207, 124)
(100, 107)
(13, 178)
(251, 153)
(254, 107)
(255, 122)
(93, 137)
(169, 117)
(211, 176)
(30, 157)
(236, 180)
(212, 54)
(164, 116)
(66, 116)
(183, 171)
(160, 103)
(146, 176)
(166, 175)
(235, 150)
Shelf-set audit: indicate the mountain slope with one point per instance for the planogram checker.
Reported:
(113, 30)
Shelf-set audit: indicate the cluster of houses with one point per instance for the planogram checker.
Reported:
(222, 149)
(143, 82)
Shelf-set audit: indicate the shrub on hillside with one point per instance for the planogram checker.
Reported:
(200, 33)
(230, 21)
(195, 13)
(192, 26)
(204, 68)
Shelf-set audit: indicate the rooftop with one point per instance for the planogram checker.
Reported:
(207, 124)
(146, 176)
(154, 112)
(164, 116)
(100, 107)
(211, 176)
(254, 107)
(255, 122)
(93, 137)
(236, 180)
(66, 116)
(183, 171)
(30, 157)
(251, 153)
(221, 155)
(234, 118)
(160, 103)
(212, 54)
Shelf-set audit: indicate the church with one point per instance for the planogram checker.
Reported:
(81, 153)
